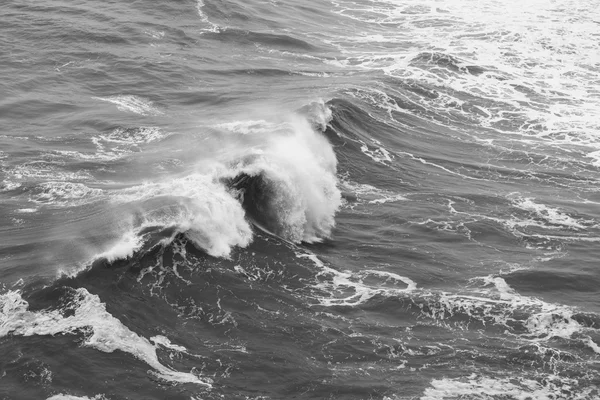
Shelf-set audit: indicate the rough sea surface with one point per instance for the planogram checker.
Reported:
(316, 199)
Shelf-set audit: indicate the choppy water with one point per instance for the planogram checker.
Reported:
(374, 199)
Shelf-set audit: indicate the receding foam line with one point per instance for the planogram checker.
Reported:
(346, 288)
(552, 215)
(204, 18)
(498, 303)
(103, 331)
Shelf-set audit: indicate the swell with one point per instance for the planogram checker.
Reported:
(397, 132)
(256, 72)
(64, 24)
(247, 38)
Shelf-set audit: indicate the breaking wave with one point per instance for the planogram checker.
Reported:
(280, 177)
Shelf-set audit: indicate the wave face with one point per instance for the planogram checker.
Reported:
(313, 200)
(290, 185)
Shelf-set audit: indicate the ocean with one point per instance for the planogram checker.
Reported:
(320, 199)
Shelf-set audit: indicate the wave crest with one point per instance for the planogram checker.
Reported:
(290, 187)
(281, 178)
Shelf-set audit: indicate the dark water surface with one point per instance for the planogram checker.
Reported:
(375, 199)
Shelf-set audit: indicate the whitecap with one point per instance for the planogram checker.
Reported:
(195, 205)
(283, 180)
(122, 248)
(133, 104)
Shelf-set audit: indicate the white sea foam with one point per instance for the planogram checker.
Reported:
(27, 210)
(89, 316)
(298, 168)
(486, 387)
(533, 220)
(300, 171)
(378, 98)
(166, 343)
(133, 104)
(313, 74)
(595, 155)
(118, 143)
(496, 302)
(134, 136)
(378, 154)
(64, 193)
(249, 127)
(456, 227)
(47, 171)
(122, 248)
(71, 397)
(346, 288)
(195, 205)
(298, 194)
(210, 27)
(532, 80)
(552, 216)
(155, 34)
(366, 193)
(8, 185)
